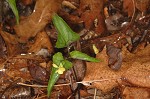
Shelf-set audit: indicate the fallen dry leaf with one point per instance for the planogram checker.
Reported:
(41, 15)
(38, 73)
(41, 41)
(17, 92)
(115, 57)
(79, 67)
(2, 48)
(139, 67)
(128, 7)
(27, 2)
(101, 71)
(136, 93)
(92, 11)
(11, 43)
(135, 70)
(142, 5)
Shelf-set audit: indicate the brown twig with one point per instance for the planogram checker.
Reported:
(133, 12)
(95, 93)
(82, 82)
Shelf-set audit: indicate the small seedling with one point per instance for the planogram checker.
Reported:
(65, 37)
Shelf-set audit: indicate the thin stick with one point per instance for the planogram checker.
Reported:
(95, 93)
(133, 11)
(82, 82)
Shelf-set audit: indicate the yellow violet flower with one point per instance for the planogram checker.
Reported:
(60, 70)
(96, 51)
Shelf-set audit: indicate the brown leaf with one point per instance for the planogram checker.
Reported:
(128, 7)
(17, 92)
(80, 69)
(139, 67)
(41, 41)
(16, 67)
(136, 93)
(2, 48)
(135, 70)
(19, 73)
(142, 5)
(101, 71)
(27, 2)
(92, 11)
(41, 15)
(115, 57)
(11, 43)
(38, 73)
(61, 92)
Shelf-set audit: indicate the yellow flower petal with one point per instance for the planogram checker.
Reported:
(60, 70)
(54, 65)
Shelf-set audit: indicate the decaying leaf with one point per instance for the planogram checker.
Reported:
(11, 43)
(136, 93)
(41, 41)
(80, 69)
(128, 7)
(142, 5)
(41, 15)
(38, 73)
(135, 70)
(2, 48)
(92, 10)
(62, 92)
(101, 71)
(27, 2)
(139, 67)
(17, 92)
(115, 57)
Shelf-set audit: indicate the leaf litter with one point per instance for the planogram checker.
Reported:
(119, 29)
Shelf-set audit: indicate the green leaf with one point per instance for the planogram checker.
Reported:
(53, 78)
(67, 64)
(65, 33)
(12, 4)
(58, 58)
(82, 56)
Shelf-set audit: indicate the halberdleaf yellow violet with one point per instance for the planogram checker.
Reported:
(60, 68)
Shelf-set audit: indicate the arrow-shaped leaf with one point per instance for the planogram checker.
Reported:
(82, 56)
(65, 33)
